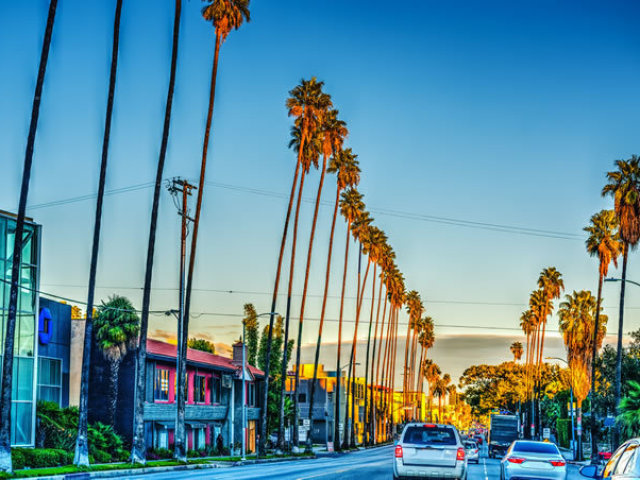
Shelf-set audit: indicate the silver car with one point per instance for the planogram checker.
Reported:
(533, 460)
(624, 463)
(472, 451)
(430, 450)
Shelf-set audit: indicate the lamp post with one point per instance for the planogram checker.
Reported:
(571, 410)
(244, 385)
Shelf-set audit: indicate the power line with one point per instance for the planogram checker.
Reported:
(496, 227)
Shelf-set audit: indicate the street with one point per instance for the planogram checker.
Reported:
(372, 464)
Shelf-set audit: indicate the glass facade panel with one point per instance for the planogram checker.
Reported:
(25, 333)
(22, 423)
(49, 379)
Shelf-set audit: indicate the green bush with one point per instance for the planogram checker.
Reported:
(159, 453)
(58, 426)
(563, 426)
(40, 457)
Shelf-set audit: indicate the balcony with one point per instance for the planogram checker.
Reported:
(167, 412)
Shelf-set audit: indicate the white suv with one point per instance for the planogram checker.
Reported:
(430, 450)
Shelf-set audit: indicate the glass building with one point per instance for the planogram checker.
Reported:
(24, 378)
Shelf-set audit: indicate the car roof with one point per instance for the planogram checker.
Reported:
(433, 425)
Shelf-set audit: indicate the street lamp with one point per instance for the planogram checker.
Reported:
(573, 451)
(244, 385)
(611, 279)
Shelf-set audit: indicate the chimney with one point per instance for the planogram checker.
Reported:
(237, 353)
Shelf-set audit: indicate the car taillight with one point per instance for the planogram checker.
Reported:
(460, 454)
(558, 463)
(398, 451)
(516, 460)
(476, 450)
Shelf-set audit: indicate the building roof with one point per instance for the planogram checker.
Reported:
(163, 349)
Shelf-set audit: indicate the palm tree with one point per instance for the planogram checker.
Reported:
(332, 134)
(344, 164)
(414, 309)
(225, 15)
(624, 187)
(10, 328)
(309, 104)
(431, 372)
(426, 339)
(81, 457)
(302, 109)
(551, 283)
(516, 350)
(117, 325)
(440, 390)
(362, 232)
(577, 324)
(603, 242)
(138, 447)
(350, 207)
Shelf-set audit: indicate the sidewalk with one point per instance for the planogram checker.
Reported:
(568, 456)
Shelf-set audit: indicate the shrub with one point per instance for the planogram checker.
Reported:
(40, 457)
(159, 453)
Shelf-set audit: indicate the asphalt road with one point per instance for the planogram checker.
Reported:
(372, 464)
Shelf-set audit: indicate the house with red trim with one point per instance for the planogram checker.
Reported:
(213, 400)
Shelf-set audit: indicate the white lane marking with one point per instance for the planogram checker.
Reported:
(484, 464)
(333, 472)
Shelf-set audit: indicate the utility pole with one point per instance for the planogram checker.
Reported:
(176, 187)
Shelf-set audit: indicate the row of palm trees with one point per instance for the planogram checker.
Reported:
(225, 15)
(317, 137)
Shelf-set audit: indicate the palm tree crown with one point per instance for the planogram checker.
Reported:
(226, 15)
(604, 239)
(624, 187)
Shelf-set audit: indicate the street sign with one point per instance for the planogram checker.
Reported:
(329, 446)
(306, 422)
(546, 433)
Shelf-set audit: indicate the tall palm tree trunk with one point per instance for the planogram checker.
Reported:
(114, 375)
(419, 384)
(180, 450)
(377, 381)
(393, 365)
(285, 360)
(374, 380)
(406, 367)
(81, 457)
(263, 411)
(352, 366)
(616, 428)
(336, 418)
(594, 352)
(366, 432)
(138, 450)
(7, 362)
(296, 439)
(322, 312)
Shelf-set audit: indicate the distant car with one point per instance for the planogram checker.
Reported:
(479, 439)
(527, 459)
(473, 452)
(430, 450)
(623, 464)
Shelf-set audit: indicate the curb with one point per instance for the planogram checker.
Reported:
(127, 471)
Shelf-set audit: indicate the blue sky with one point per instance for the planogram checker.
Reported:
(495, 112)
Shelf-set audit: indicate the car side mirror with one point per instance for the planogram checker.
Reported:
(589, 471)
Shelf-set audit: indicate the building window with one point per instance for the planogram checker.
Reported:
(215, 390)
(162, 437)
(251, 395)
(161, 385)
(302, 398)
(199, 439)
(50, 379)
(199, 389)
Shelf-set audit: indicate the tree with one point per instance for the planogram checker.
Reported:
(577, 324)
(307, 103)
(225, 15)
(440, 390)
(603, 242)
(201, 344)
(331, 136)
(624, 186)
(251, 330)
(516, 351)
(10, 328)
(350, 206)
(344, 163)
(81, 457)
(415, 308)
(629, 416)
(116, 329)
(138, 450)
